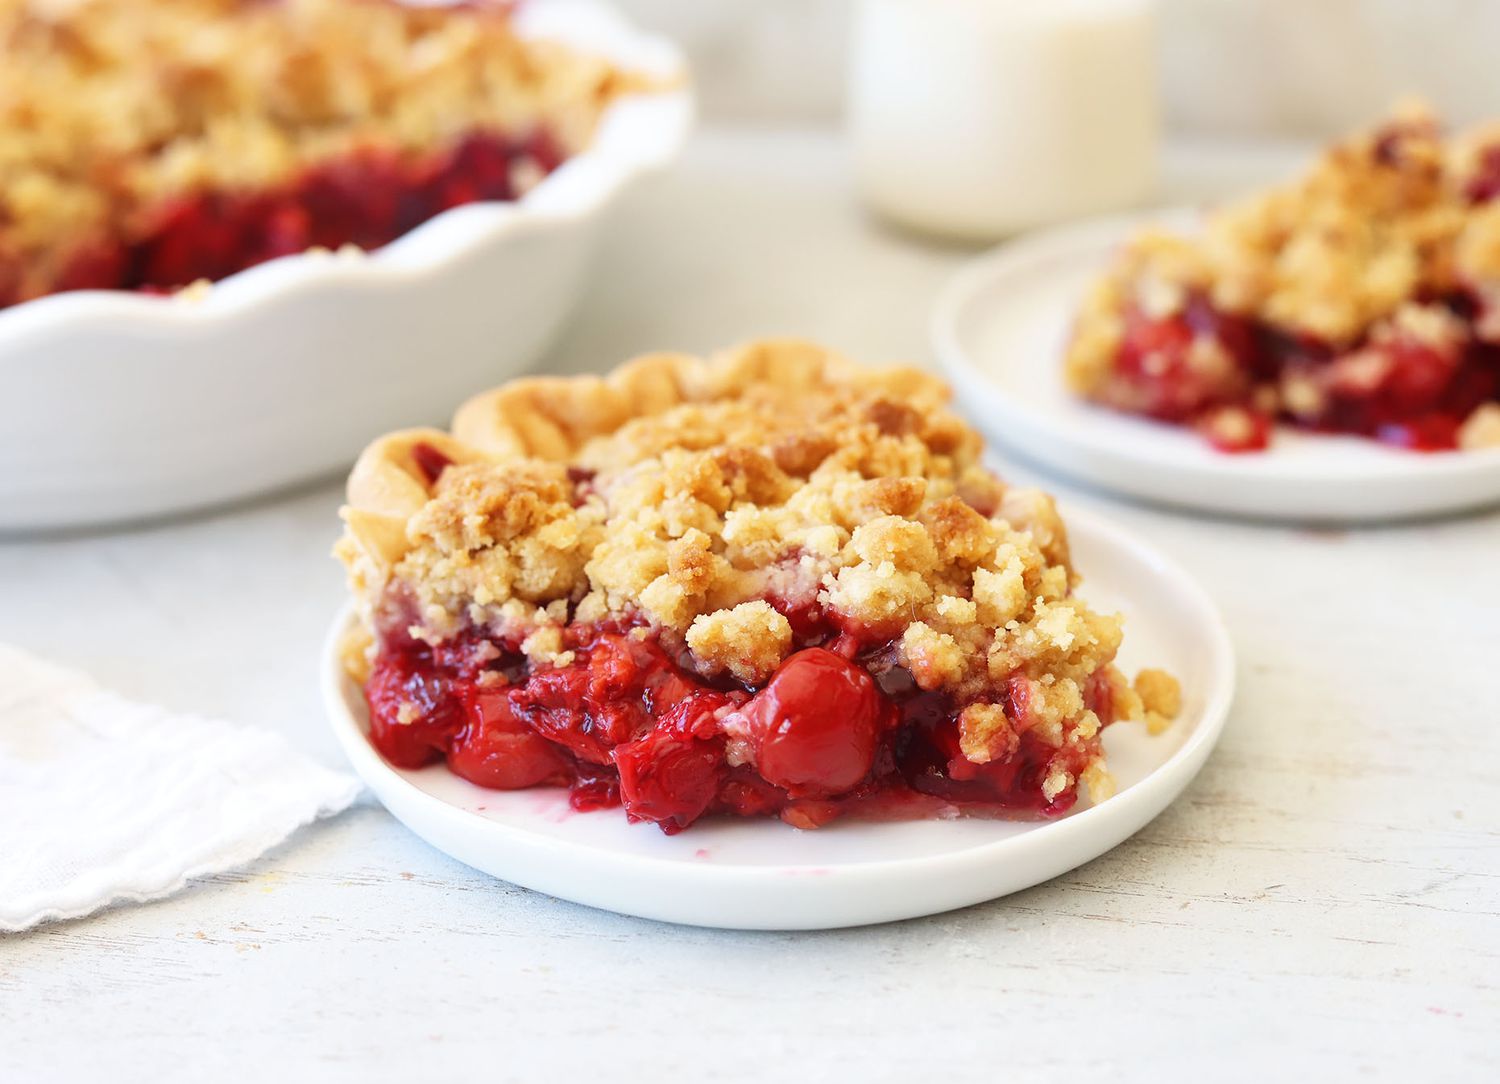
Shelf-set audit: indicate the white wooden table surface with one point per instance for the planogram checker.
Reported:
(1327, 894)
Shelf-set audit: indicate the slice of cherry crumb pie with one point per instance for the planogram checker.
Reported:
(1361, 298)
(771, 583)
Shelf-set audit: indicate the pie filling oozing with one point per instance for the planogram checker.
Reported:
(149, 144)
(772, 583)
(1362, 298)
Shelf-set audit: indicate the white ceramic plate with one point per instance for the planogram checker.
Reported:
(999, 330)
(116, 405)
(762, 874)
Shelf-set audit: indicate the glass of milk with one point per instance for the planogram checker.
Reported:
(983, 118)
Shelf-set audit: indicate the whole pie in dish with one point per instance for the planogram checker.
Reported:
(1362, 298)
(772, 583)
(149, 144)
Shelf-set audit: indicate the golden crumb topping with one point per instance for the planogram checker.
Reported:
(108, 107)
(1380, 221)
(1161, 697)
(714, 501)
(1482, 429)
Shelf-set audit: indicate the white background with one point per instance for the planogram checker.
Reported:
(1322, 903)
(1277, 67)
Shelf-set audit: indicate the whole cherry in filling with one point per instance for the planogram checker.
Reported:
(816, 726)
(497, 750)
(626, 723)
(672, 774)
(368, 197)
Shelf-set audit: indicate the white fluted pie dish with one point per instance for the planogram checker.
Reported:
(119, 406)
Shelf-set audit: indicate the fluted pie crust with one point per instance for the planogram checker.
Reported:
(760, 526)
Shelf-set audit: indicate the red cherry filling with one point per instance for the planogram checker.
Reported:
(415, 710)
(672, 774)
(497, 750)
(368, 198)
(835, 730)
(1161, 361)
(814, 728)
(1204, 368)
(940, 769)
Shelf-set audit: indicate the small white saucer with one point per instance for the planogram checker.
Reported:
(1000, 328)
(761, 874)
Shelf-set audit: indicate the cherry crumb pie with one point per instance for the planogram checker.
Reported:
(1363, 298)
(149, 144)
(768, 584)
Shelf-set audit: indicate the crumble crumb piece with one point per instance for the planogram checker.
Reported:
(748, 640)
(492, 536)
(1058, 780)
(1481, 429)
(1161, 698)
(934, 658)
(1001, 595)
(1100, 782)
(545, 647)
(985, 734)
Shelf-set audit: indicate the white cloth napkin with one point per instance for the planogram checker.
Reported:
(104, 800)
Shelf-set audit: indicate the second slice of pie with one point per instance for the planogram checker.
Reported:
(1361, 298)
